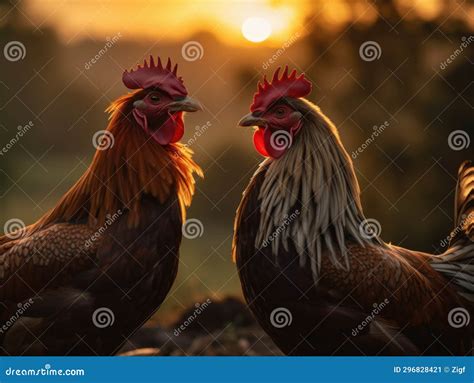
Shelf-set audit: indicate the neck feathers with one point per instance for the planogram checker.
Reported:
(312, 193)
(119, 176)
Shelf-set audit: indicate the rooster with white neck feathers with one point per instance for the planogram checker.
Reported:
(318, 283)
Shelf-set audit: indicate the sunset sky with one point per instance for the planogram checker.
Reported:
(180, 19)
(165, 20)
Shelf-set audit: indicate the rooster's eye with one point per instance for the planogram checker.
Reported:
(279, 112)
(154, 98)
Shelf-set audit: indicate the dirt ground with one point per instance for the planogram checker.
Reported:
(219, 328)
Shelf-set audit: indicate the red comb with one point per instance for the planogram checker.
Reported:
(151, 75)
(286, 86)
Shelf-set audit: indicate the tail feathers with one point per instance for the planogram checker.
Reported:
(464, 204)
(457, 263)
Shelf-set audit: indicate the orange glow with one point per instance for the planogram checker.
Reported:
(161, 20)
(173, 20)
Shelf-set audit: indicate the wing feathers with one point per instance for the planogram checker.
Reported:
(29, 263)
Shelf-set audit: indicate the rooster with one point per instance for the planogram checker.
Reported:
(313, 269)
(93, 269)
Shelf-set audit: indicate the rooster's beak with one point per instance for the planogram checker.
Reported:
(187, 104)
(251, 120)
(139, 104)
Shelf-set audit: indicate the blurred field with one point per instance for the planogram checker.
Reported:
(407, 175)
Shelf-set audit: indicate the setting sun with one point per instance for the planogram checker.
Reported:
(235, 22)
(256, 29)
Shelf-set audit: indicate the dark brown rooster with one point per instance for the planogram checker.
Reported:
(314, 271)
(91, 271)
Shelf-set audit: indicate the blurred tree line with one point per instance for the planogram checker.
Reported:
(408, 174)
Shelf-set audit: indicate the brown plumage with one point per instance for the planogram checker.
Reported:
(110, 245)
(317, 281)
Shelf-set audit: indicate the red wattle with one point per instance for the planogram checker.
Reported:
(171, 130)
(179, 131)
(164, 133)
(259, 143)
